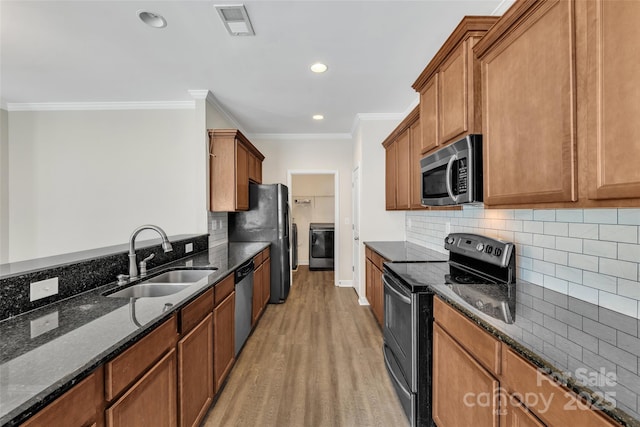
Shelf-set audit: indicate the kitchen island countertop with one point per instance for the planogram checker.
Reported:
(89, 329)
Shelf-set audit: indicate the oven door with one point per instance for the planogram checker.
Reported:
(398, 326)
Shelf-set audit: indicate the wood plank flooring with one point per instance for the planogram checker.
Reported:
(315, 360)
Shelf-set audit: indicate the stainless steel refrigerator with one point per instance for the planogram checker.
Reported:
(267, 220)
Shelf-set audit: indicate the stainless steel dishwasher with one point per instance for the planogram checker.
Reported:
(244, 298)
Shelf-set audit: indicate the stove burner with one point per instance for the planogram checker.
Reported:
(464, 279)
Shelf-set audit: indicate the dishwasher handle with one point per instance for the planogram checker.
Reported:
(244, 270)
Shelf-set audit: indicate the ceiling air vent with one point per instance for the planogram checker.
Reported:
(235, 19)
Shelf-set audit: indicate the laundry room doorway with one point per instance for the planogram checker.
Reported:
(314, 209)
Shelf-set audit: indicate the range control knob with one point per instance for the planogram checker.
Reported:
(480, 247)
(489, 249)
(449, 240)
(479, 304)
(497, 252)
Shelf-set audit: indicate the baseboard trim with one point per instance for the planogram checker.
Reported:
(363, 301)
(345, 283)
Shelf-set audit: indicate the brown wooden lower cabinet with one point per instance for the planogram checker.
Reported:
(256, 305)
(223, 339)
(266, 280)
(151, 401)
(374, 288)
(83, 405)
(464, 392)
(514, 414)
(195, 372)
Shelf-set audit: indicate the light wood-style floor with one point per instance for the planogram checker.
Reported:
(315, 360)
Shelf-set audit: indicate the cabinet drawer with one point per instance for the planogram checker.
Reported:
(222, 289)
(476, 341)
(257, 260)
(77, 407)
(266, 254)
(377, 260)
(368, 253)
(197, 310)
(564, 407)
(130, 365)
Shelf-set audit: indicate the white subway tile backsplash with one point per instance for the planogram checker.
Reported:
(544, 241)
(556, 228)
(599, 281)
(629, 252)
(533, 227)
(569, 273)
(619, 233)
(590, 254)
(601, 216)
(617, 303)
(556, 257)
(600, 248)
(584, 293)
(629, 216)
(629, 288)
(583, 231)
(569, 244)
(624, 269)
(570, 215)
(544, 214)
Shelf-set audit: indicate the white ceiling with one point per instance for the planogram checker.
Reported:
(98, 51)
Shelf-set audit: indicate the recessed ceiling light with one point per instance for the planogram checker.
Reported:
(152, 19)
(319, 67)
(318, 117)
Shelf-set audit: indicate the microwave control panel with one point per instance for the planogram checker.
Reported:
(461, 176)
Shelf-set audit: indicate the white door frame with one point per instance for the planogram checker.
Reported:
(355, 234)
(336, 214)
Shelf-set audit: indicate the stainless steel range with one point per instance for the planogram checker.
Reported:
(481, 270)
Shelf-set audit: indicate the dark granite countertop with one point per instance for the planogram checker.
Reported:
(592, 350)
(402, 251)
(37, 367)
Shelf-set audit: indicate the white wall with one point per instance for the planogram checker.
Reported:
(4, 186)
(376, 223)
(282, 156)
(318, 190)
(86, 179)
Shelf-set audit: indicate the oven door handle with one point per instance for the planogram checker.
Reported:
(393, 374)
(390, 286)
(449, 176)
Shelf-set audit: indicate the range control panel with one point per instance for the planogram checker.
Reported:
(483, 248)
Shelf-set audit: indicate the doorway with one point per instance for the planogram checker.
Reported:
(314, 199)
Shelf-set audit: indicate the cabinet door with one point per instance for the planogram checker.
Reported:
(151, 401)
(529, 110)
(612, 99)
(369, 282)
(514, 414)
(429, 115)
(195, 372)
(403, 164)
(415, 144)
(464, 393)
(390, 176)
(223, 339)
(266, 282)
(258, 285)
(242, 177)
(453, 105)
(81, 406)
(378, 296)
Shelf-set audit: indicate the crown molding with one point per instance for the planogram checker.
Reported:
(301, 136)
(211, 99)
(199, 94)
(502, 7)
(101, 106)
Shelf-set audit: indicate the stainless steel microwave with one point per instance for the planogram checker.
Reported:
(453, 174)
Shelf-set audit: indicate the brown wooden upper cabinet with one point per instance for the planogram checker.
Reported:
(233, 162)
(449, 87)
(560, 105)
(399, 164)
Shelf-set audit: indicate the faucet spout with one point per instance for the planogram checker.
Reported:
(166, 246)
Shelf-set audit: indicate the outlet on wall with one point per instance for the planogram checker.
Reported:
(43, 289)
(188, 248)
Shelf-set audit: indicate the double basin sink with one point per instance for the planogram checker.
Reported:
(167, 283)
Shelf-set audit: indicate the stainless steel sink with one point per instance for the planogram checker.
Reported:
(164, 284)
(150, 290)
(180, 276)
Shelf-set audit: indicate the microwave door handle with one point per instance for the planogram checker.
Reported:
(449, 176)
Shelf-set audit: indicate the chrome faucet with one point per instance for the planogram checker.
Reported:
(166, 246)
